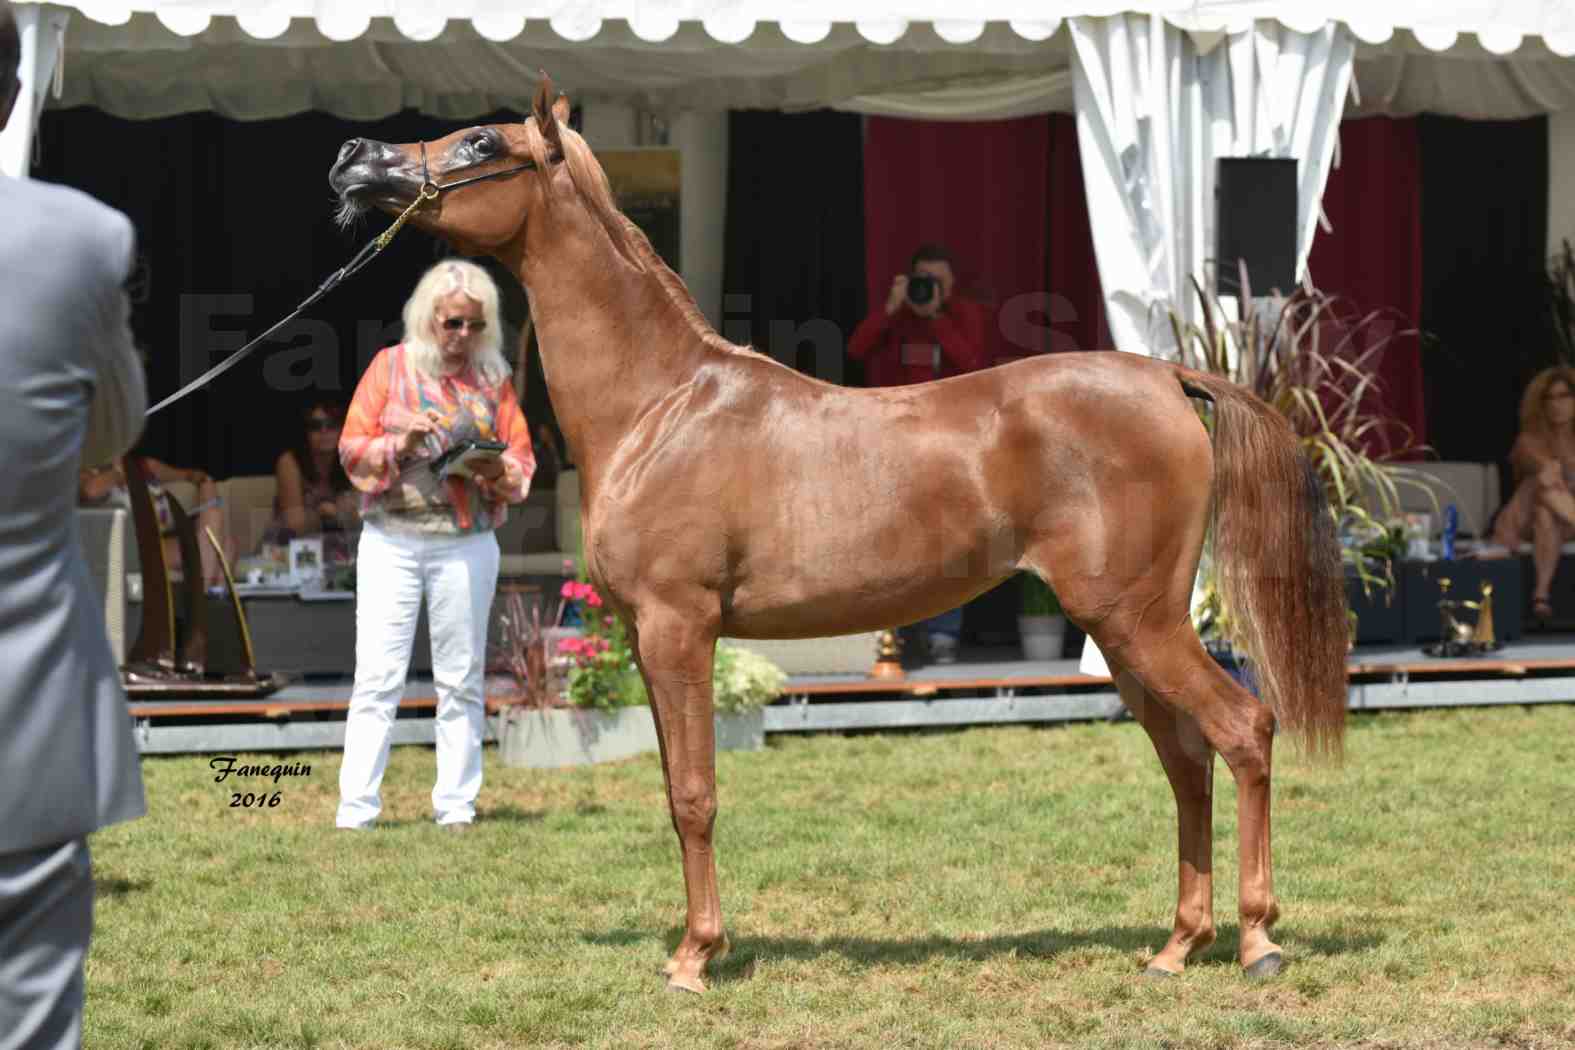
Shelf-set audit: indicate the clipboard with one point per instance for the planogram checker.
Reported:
(459, 460)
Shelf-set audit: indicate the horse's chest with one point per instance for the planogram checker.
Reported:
(628, 546)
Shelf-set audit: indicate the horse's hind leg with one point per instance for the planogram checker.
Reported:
(1131, 591)
(1174, 666)
(1189, 763)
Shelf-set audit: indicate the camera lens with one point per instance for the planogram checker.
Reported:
(921, 288)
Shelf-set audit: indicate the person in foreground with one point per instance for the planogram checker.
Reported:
(1542, 510)
(68, 762)
(923, 332)
(426, 536)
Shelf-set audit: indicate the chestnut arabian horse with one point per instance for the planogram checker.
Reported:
(723, 493)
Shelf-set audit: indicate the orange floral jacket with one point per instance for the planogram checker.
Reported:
(390, 394)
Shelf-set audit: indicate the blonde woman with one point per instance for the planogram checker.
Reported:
(426, 537)
(1542, 509)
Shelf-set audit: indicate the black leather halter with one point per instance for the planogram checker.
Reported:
(428, 184)
(429, 191)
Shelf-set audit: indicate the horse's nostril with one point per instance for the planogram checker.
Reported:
(350, 148)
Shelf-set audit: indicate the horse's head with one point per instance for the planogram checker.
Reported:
(479, 182)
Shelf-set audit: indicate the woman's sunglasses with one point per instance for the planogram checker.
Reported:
(454, 324)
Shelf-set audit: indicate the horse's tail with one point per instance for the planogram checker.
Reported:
(1278, 563)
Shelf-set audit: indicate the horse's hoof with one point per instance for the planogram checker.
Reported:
(678, 982)
(1268, 966)
(1158, 972)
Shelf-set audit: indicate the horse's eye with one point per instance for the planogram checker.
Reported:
(482, 145)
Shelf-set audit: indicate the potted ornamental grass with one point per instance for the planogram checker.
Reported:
(1040, 623)
(578, 696)
(1315, 359)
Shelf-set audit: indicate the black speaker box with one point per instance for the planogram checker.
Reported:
(1255, 223)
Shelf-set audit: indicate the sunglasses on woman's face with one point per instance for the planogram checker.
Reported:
(454, 324)
(317, 423)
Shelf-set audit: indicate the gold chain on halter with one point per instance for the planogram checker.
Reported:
(429, 192)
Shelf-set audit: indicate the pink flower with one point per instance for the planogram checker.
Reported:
(573, 590)
(593, 599)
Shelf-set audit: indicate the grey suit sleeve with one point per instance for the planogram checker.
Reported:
(120, 396)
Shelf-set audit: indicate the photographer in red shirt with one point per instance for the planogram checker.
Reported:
(923, 332)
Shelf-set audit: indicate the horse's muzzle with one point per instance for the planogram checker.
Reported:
(364, 166)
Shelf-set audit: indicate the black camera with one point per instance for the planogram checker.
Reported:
(921, 288)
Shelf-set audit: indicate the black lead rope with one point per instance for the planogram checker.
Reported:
(429, 191)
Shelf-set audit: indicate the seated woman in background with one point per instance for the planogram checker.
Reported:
(313, 495)
(1542, 509)
(106, 485)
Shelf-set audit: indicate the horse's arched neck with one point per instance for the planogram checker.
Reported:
(612, 339)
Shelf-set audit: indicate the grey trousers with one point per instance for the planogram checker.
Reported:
(46, 918)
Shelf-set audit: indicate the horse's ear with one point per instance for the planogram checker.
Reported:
(560, 108)
(545, 111)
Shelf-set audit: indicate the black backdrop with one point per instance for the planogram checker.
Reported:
(235, 227)
(1484, 239)
(793, 273)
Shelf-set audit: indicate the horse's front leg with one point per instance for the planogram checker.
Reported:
(676, 650)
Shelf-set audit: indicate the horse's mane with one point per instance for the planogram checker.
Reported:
(590, 180)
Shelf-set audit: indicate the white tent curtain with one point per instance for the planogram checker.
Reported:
(43, 32)
(1156, 108)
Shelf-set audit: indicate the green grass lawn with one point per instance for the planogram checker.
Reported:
(987, 888)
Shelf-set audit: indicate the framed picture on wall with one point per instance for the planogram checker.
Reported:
(646, 182)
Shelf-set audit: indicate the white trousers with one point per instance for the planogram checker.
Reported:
(457, 575)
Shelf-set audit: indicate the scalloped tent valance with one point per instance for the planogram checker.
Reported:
(362, 59)
(1499, 27)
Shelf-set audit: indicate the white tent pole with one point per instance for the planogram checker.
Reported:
(43, 32)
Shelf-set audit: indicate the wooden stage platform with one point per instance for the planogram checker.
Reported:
(984, 687)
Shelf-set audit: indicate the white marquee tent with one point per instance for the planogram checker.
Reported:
(1161, 88)
(363, 58)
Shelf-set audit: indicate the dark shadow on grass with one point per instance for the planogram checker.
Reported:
(509, 814)
(504, 814)
(115, 886)
(1043, 944)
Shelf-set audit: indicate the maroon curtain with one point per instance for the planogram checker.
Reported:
(1077, 310)
(1373, 257)
(978, 188)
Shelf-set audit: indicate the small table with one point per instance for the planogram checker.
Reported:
(307, 632)
(292, 633)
